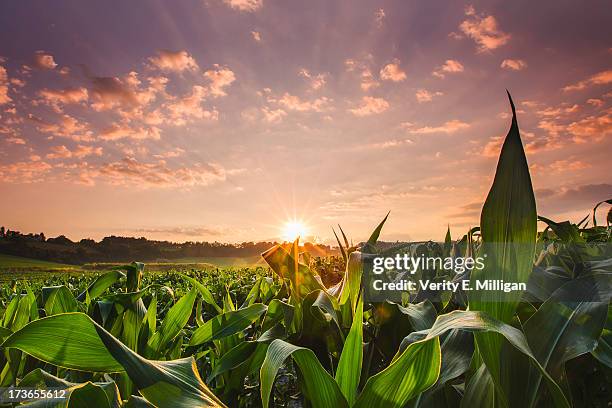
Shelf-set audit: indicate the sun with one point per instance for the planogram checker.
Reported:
(293, 229)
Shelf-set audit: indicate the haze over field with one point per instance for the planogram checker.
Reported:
(223, 119)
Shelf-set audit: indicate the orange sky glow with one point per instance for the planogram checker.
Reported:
(225, 120)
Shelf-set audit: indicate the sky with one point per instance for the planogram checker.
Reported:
(221, 120)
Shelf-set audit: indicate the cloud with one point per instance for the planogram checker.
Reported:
(190, 107)
(256, 36)
(62, 152)
(564, 198)
(513, 64)
(24, 171)
(423, 95)
(379, 17)
(67, 127)
(176, 152)
(450, 66)
(273, 115)
(175, 61)
(483, 29)
(560, 166)
(245, 5)
(122, 131)
(130, 171)
(317, 81)
(219, 78)
(58, 97)
(392, 72)
(601, 78)
(367, 80)
(592, 128)
(4, 97)
(370, 106)
(43, 60)
(451, 126)
(184, 231)
(387, 144)
(598, 103)
(295, 103)
(112, 92)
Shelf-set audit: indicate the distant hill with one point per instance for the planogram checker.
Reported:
(126, 249)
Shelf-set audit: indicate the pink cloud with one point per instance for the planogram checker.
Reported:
(295, 103)
(62, 152)
(592, 128)
(513, 64)
(392, 72)
(24, 172)
(122, 131)
(245, 5)
(67, 127)
(484, 30)
(423, 95)
(256, 36)
(601, 78)
(317, 81)
(130, 171)
(219, 78)
(451, 126)
(450, 66)
(178, 61)
(273, 115)
(370, 106)
(190, 107)
(43, 60)
(4, 97)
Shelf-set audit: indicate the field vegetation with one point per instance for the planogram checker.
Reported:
(299, 332)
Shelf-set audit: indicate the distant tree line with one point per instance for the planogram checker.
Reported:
(126, 249)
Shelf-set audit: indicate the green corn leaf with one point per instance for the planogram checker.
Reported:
(226, 324)
(173, 383)
(318, 386)
(482, 322)
(58, 299)
(566, 326)
(348, 372)
(174, 321)
(206, 294)
(508, 229)
(342, 251)
(369, 246)
(412, 372)
(480, 390)
(66, 340)
(603, 351)
(100, 285)
(285, 265)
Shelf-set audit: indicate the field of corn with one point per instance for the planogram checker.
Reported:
(291, 335)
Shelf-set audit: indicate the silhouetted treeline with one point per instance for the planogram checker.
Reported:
(125, 249)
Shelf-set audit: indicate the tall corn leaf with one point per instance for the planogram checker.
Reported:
(318, 386)
(412, 372)
(174, 321)
(226, 324)
(480, 322)
(348, 372)
(508, 229)
(564, 327)
(100, 285)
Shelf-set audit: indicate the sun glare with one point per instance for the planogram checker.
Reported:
(293, 229)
